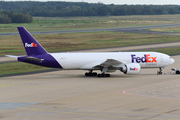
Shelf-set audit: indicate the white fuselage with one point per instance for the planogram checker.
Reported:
(76, 61)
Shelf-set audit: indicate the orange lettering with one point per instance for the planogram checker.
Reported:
(154, 59)
(147, 57)
(32, 44)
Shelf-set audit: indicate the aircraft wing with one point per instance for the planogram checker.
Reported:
(111, 63)
(107, 63)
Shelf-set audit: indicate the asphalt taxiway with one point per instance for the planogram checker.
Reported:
(69, 95)
(137, 29)
(65, 95)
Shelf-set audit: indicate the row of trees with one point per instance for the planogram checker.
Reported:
(10, 17)
(63, 9)
(103, 10)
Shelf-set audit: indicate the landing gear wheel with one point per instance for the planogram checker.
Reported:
(94, 74)
(99, 75)
(159, 72)
(103, 75)
(177, 72)
(108, 75)
(86, 74)
(91, 74)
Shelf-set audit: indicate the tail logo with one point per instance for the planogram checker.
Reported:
(30, 45)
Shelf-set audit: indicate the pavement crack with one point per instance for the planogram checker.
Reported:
(172, 111)
(152, 117)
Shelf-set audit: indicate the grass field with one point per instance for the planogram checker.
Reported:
(65, 23)
(77, 41)
(169, 51)
(19, 67)
(168, 29)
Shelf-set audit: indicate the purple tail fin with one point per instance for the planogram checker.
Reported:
(31, 46)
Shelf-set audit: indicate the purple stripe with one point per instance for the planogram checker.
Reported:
(49, 61)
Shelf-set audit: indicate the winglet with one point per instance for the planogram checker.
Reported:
(31, 46)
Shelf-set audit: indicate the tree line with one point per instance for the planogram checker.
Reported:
(70, 9)
(10, 17)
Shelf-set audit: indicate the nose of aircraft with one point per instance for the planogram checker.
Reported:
(172, 60)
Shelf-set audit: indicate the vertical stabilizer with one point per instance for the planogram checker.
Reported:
(31, 46)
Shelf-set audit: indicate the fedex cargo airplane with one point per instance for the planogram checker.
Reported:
(126, 62)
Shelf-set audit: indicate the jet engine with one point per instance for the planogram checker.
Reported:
(131, 68)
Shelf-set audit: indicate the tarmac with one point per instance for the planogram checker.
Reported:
(137, 29)
(69, 95)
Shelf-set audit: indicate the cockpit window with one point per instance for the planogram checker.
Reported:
(170, 58)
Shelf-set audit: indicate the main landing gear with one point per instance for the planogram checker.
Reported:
(95, 74)
(160, 71)
(90, 73)
(103, 75)
(104, 70)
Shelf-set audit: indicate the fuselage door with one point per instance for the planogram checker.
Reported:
(161, 60)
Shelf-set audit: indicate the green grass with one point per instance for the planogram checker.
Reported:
(19, 67)
(169, 51)
(167, 29)
(66, 23)
(78, 41)
(11, 51)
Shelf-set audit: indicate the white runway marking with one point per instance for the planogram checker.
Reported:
(152, 92)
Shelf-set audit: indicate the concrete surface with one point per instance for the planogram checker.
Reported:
(69, 95)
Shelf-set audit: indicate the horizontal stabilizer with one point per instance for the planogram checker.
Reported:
(12, 56)
(34, 59)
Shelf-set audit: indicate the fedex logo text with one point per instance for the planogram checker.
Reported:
(30, 45)
(147, 58)
(135, 69)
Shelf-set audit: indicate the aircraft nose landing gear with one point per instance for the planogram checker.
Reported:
(160, 71)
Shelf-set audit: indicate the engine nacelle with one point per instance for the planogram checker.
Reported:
(131, 68)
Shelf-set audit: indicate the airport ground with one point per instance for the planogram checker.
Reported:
(70, 95)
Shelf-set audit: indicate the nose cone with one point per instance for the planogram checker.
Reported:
(172, 60)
